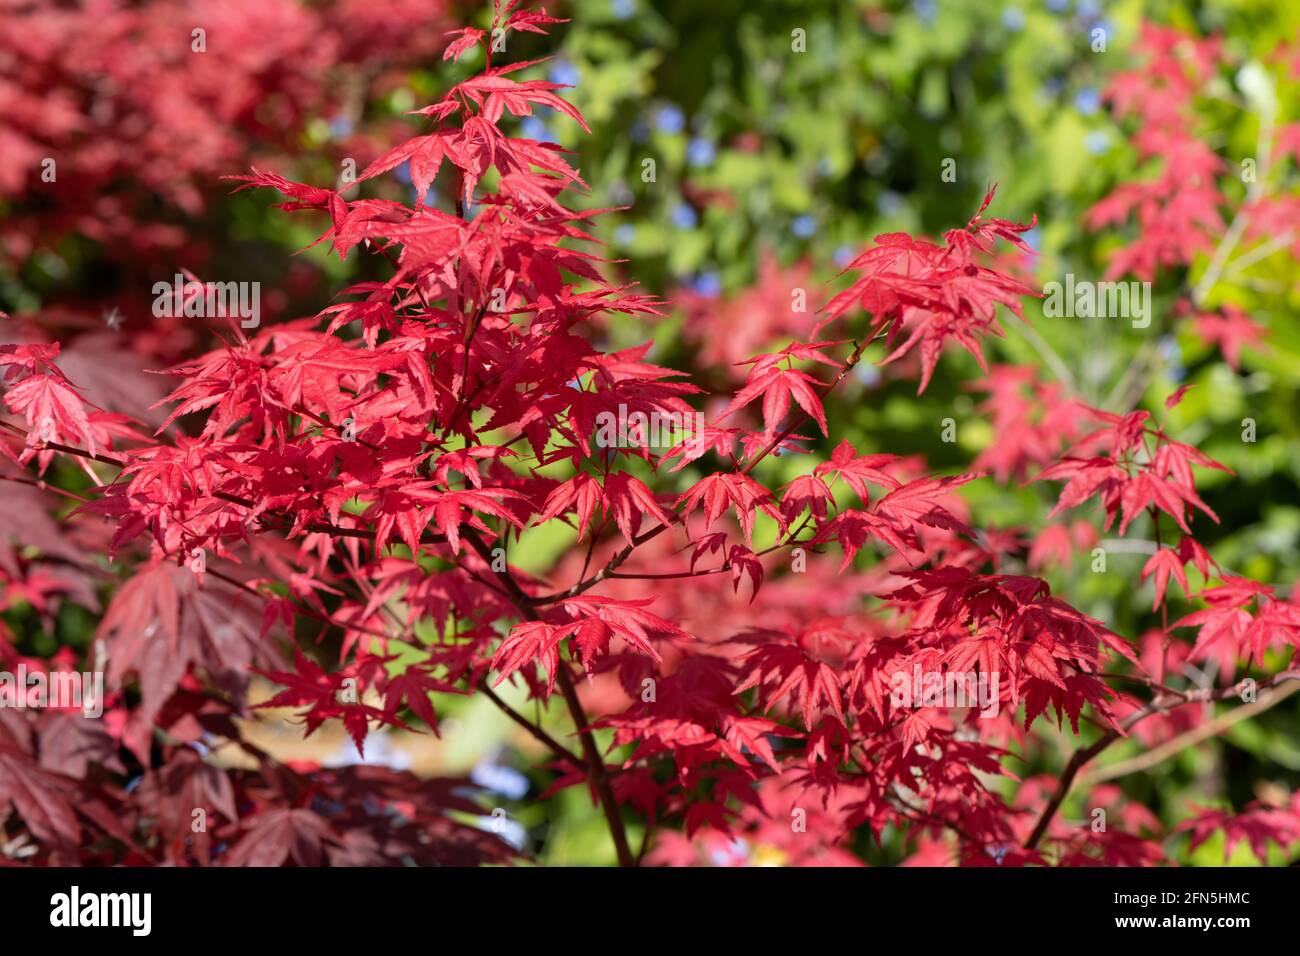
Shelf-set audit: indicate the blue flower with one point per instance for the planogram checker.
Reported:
(403, 173)
(804, 226)
(1057, 6)
(844, 255)
(1097, 142)
(341, 127)
(1173, 355)
(669, 119)
(867, 374)
(623, 9)
(506, 781)
(701, 152)
(737, 850)
(1013, 19)
(1087, 101)
(564, 73)
(684, 216)
(625, 234)
(533, 128)
(890, 203)
(926, 10)
(1032, 238)
(707, 284)
(380, 752)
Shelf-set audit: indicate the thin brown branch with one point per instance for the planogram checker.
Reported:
(1160, 705)
(554, 745)
(1190, 738)
(618, 559)
(598, 773)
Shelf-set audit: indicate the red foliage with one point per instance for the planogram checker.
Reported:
(132, 107)
(366, 469)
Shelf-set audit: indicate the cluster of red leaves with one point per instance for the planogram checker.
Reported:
(118, 96)
(1132, 466)
(1033, 420)
(934, 293)
(1179, 212)
(367, 470)
(1259, 824)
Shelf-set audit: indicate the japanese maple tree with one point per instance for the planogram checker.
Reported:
(332, 503)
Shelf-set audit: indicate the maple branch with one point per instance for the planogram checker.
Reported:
(1260, 252)
(1159, 705)
(591, 549)
(607, 571)
(66, 449)
(322, 527)
(1187, 739)
(617, 560)
(598, 770)
(798, 422)
(45, 486)
(1077, 760)
(482, 685)
(598, 773)
(726, 566)
(537, 732)
(303, 609)
(554, 745)
(645, 842)
(918, 815)
(607, 574)
(301, 410)
(466, 399)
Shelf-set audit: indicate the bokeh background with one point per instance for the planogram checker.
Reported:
(771, 169)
